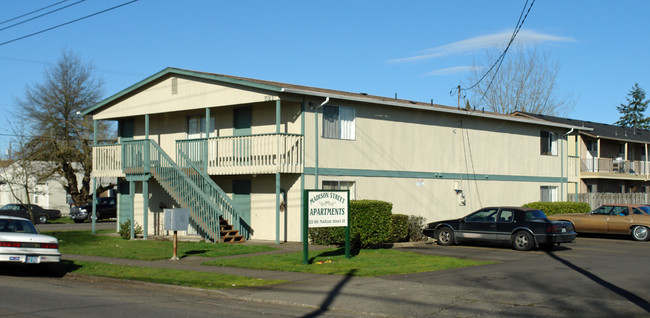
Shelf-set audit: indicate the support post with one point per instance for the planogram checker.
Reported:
(132, 197)
(94, 204)
(277, 173)
(205, 142)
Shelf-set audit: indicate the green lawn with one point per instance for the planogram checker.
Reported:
(84, 243)
(368, 262)
(161, 275)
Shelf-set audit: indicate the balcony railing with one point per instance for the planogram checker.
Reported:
(255, 154)
(614, 166)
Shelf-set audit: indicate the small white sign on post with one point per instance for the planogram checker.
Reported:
(176, 220)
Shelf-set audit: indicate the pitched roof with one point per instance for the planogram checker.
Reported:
(599, 130)
(279, 87)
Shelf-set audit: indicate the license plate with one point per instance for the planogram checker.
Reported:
(563, 230)
(31, 259)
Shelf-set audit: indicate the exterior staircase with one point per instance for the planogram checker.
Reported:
(212, 212)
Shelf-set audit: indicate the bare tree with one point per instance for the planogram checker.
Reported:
(22, 176)
(59, 135)
(525, 81)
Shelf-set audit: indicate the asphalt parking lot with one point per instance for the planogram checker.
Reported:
(607, 267)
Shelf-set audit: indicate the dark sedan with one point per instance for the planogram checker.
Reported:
(41, 215)
(523, 228)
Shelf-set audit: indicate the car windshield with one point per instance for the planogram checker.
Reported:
(535, 215)
(17, 226)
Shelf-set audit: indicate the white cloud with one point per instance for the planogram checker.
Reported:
(450, 71)
(497, 40)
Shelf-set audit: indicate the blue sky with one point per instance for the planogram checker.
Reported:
(419, 50)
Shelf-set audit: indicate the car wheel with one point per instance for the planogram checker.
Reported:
(41, 219)
(445, 236)
(523, 241)
(640, 233)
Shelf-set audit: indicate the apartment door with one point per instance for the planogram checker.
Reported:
(241, 198)
(242, 122)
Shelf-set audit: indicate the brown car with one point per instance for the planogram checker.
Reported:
(625, 219)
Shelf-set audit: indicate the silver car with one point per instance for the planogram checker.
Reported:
(20, 242)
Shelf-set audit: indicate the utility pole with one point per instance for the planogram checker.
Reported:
(458, 96)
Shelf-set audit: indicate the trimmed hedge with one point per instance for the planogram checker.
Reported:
(370, 224)
(399, 228)
(551, 208)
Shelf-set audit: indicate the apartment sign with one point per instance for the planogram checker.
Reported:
(328, 208)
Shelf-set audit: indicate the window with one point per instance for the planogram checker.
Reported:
(338, 122)
(548, 194)
(548, 143)
(487, 215)
(535, 215)
(602, 210)
(340, 185)
(505, 216)
(196, 126)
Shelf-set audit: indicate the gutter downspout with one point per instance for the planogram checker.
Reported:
(327, 99)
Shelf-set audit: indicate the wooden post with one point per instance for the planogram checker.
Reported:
(175, 257)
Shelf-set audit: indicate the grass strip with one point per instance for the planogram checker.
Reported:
(84, 243)
(162, 275)
(366, 262)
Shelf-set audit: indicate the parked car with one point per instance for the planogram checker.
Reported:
(41, 215)
(106, 208)
(523, 228)
(20, 242)
(624, 219)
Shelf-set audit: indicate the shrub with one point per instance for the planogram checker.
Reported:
(551, 208)
(125, 229)
(415, 226)
(399, 228)
(370, 223)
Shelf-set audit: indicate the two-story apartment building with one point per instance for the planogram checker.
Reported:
(244, 150)
(610, 158)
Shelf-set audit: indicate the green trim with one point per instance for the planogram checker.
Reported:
(170, 70)
(428, 175)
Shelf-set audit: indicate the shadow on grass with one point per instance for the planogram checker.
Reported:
(193, 252)
(39, 270)
(354, 251)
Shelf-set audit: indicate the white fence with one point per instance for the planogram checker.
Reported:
(597, 199)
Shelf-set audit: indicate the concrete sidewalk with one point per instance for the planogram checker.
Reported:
(376, 296)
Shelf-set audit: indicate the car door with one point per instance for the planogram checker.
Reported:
(619, 220)
(505, 225)
(479, 226)
(595, 221)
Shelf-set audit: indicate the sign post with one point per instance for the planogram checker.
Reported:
(325, 208)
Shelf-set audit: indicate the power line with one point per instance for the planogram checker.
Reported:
(69, 22)
(501, 58)
(42, 15)
(28, 13)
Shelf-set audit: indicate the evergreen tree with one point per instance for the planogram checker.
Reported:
(632, 113)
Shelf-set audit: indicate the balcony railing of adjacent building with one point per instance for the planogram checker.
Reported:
(614, 166)
(254, 154)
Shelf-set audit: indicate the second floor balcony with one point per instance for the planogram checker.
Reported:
(614, 167)
(235, 155)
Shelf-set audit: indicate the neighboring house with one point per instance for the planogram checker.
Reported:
(48, 193)
(245, 149)
(611, 159)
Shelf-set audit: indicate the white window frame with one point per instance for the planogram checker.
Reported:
(341, 125)
(548, 193)
(550, 142)
(340, 185)
(195, 126)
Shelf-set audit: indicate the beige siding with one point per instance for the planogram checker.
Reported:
(159, 99)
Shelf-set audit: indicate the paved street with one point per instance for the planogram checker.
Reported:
(595, 277)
